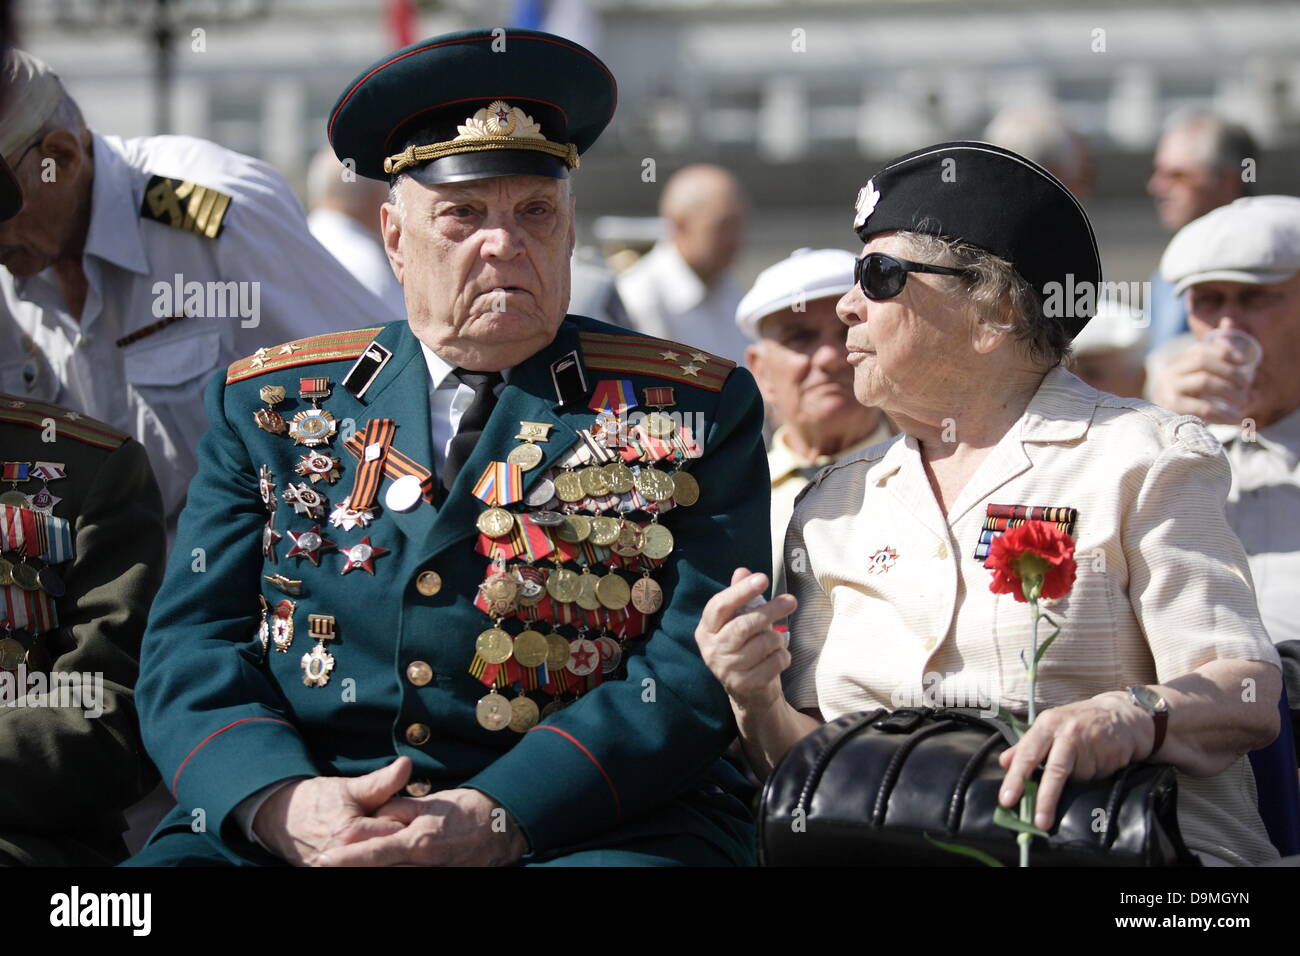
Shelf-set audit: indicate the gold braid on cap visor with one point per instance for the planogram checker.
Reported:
(496, 126)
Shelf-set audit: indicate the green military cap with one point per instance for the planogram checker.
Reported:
(473, 105)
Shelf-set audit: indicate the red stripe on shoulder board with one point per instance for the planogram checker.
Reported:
(618, 804)
(217, 733)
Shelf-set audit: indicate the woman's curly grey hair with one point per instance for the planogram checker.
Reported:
(1003, 300)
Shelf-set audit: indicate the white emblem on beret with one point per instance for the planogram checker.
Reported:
(868, 196)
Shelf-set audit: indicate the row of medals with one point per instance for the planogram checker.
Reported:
(310, 428)
(14, 570)
(507, 591)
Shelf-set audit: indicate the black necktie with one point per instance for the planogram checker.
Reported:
(472, 422)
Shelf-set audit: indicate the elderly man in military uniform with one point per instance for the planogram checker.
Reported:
(139, 267)
(81, 554)
(452, 566)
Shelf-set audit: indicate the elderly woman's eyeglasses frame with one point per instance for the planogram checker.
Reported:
(882, 276)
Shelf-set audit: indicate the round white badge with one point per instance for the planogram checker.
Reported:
(403, 494)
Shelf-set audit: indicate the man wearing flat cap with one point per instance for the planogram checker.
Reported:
(801, 365)
(453, 563)
(1239, 269)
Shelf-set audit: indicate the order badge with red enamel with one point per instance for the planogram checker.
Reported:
(318, 466)
(881, 561)
(361, 555)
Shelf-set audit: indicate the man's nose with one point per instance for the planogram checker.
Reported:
(502, 241)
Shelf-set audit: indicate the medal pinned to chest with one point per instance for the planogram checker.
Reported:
(314, 426)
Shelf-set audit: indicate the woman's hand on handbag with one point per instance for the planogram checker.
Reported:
(740, 646)
(1086, 740)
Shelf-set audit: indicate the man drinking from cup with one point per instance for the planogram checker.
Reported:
(1239, 267)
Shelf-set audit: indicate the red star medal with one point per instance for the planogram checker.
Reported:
(309, 544)
(361, 556)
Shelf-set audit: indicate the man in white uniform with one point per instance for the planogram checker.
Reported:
(138, 267)
(344, 218)
(683, 288)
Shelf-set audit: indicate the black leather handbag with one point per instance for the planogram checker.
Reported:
(866, 790)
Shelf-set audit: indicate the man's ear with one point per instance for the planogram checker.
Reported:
(65, 148)
(390, 227)
(754, 362)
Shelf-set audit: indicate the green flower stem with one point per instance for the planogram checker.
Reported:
(1033, 587)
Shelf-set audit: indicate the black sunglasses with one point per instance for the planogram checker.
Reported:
(883, 277)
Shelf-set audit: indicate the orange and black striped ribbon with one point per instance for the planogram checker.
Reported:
(396, 465)
(365, 486)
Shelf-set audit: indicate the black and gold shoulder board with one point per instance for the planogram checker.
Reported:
(185, 205)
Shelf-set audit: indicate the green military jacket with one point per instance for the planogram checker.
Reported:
(70, 765)
(225, 713)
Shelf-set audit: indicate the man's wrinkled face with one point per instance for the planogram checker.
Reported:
(484, 265)
(1184, 182)
(40, 233)
(1271, 313)
(802, 366)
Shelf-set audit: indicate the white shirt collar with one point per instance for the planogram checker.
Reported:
(116, 196)
(440, 369)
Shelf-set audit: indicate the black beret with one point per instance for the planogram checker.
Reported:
(998, 200)
(477, 104)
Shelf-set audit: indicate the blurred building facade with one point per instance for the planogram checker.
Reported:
(801, 99)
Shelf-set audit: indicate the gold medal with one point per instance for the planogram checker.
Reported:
(587, 599)
(562, 584)
(686, 490)
(6, 572)
(618, 477)
(493, 712)
(12, 654)
(24, 576)
(568, 486)
(271, 394)
(629, 541)
(654, 484)
(613, 592)
(592, 480)
(604, 531)
(557, 650)
(523, 714)
(14, 498)
(657, 542)
(576, 529)
(647, 595)
(531, 648)
(525, 456)
(501, 589)
(660, 425)
(496, 522)
(494, 645)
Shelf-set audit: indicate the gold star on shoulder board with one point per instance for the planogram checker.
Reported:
(670, 356)
(73, 416)
(691, 369)
(17, 404)
(699, 357)
(289, 349)
(259, 358)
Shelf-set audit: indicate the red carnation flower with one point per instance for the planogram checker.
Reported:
(1032, 552)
